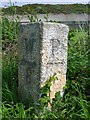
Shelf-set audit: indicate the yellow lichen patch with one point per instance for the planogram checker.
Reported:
(57, 84)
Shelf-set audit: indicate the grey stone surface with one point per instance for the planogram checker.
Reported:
(42, 53)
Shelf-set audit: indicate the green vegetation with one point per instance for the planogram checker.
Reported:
(47, 8)
(74, 105)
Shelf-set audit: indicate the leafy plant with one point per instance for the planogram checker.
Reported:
(77, 54)
(9, 29)
(33, 16)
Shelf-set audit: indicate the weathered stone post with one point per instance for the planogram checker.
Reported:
(42, 53)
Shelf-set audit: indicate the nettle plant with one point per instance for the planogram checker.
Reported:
(33, 16)
(45, 91)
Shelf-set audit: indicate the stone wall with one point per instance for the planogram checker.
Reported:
(42, 53)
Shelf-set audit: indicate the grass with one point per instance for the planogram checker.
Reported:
(74, 105)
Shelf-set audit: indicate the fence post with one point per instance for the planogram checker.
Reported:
(42, 53)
